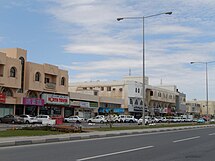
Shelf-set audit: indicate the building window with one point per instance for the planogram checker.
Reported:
(91, 88)
(159, 94)
(46, 80)
(62, 81)
(7, 92)
(170, 96)
(151, 93)
(108, 88)
(114, 89)
(131, 101)
(141, 102)
(120, 89)
(102, 88)
(37, 76)
(136, 102)
(84, 88)
(135, 90)
(13, 72)
(95, 93)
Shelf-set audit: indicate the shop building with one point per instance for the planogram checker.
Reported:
(25, 84)
(158, 100)
(89, 105)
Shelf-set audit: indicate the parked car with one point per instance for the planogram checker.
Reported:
(125, 118)
(201, 120)
(97, 119)
(212, 120)
(45, 120)
(76, 119)
(130, 119)
(11, 119)
(147, 121)
(29, 119)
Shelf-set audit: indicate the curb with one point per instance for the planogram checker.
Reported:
(91, 136)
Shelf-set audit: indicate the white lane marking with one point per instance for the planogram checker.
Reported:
(186, 139)
(101, 138)
(115, 153)
(211, 134)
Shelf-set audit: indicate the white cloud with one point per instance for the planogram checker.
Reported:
(171, 41)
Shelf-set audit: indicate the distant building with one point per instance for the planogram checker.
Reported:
(158, 100)
(200, 107)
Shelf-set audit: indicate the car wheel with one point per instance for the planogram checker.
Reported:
(27, 122)
(89, 121)
(101, 122)
(12, 121)
(78, 121)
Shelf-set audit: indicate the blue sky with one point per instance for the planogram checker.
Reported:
(84, 38)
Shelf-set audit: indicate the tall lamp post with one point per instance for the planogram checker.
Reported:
(206, 80)
(143, 84)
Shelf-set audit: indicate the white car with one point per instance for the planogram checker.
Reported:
(147, 121)
(97, 119)
(76, 119)
(120, 118)
(29, 119)
(45, 120)
(130, 119)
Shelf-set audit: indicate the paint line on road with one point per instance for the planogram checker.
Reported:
(211, 134)
(186, 139)
(115, 153)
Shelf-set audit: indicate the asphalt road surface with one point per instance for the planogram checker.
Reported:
(186, 145)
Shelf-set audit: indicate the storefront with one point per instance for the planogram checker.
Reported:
(5, 109)
(31, 105)
(84, 109)
(54, 104)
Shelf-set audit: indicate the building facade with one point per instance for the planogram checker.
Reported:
(158, 100)
(30, 88)
(89, 105)
(199, 107)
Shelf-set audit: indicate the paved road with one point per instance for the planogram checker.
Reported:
(189, 145)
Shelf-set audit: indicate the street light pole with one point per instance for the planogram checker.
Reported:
(206, 81)
(143, 39)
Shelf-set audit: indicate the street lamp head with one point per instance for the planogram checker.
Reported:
(119, 19)
(168, 13)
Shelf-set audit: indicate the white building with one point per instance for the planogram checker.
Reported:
(158, 100)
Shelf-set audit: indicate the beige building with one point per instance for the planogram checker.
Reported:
(157, 99)
(200, 107)
(89, 105)
(31, 88)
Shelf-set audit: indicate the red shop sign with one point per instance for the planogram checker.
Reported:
(2, 98)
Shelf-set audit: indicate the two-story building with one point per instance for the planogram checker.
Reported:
(158, 100)
(30, 88)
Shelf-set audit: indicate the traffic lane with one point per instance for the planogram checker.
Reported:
(192, 149)
(82, 149)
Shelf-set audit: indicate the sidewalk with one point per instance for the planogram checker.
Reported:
(15, 141)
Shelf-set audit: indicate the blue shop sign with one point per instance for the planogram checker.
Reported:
(107, 110)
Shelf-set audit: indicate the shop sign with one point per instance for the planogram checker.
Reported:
(75, 103)
(2, 98)
(33, 101)
(56, 99)
(107, 110)
(93, 104)
(132, 108)
(85, 104)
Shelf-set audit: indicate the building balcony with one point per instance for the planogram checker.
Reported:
(50, 85)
